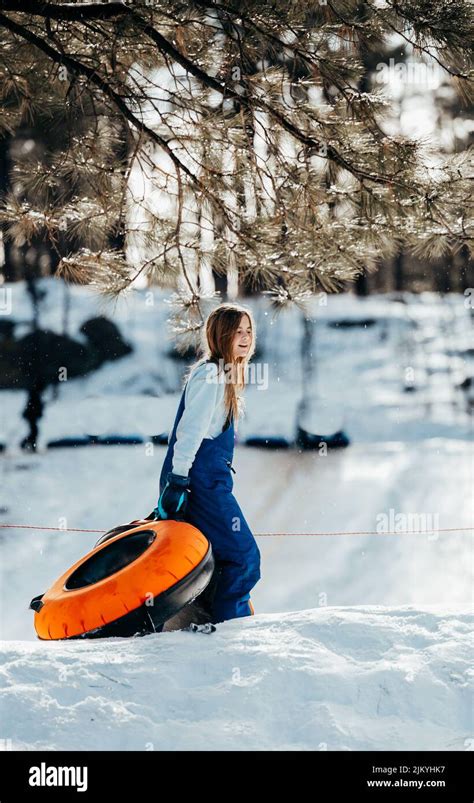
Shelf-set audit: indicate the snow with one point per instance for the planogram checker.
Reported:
(359, 641)
(328, 678)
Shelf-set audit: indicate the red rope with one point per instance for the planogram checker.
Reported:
(64, 529)
(341, 532)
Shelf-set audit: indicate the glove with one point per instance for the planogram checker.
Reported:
(174, 498)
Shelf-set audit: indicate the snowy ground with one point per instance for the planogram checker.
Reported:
(351, 678)
(316, 629)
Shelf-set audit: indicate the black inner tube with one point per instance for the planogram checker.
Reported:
(110, 559)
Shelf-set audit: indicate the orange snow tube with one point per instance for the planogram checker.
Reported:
(134, 579)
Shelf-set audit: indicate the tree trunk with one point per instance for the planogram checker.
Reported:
(399, 272)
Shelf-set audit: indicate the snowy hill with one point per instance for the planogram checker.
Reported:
(382, 663)
(354, 678)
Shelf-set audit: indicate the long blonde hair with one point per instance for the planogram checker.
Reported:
(219, 331)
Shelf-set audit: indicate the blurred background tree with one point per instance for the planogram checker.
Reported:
(211, 146)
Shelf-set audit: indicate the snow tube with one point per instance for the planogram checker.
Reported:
(269, 442)
(96, 440)
(135, 578)
(308, 440)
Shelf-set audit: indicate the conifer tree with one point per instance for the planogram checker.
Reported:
(235, 138)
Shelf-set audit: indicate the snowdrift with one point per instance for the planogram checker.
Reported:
(328, 678)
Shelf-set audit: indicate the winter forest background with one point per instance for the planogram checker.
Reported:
(311, 160)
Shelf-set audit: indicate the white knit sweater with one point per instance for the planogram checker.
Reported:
(204, 415)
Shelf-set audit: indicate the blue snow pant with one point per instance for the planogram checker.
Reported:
(213, 509)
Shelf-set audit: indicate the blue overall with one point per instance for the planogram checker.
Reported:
(213, 509)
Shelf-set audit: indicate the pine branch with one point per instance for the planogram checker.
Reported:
(284, 174)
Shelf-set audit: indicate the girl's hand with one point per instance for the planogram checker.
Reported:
(174, 498)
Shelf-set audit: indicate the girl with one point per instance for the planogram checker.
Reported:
(196, 481)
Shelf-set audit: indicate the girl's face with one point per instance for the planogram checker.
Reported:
(242, 338)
